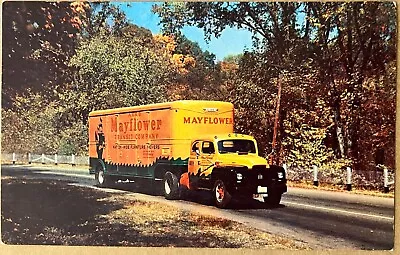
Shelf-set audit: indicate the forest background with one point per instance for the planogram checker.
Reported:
(335, 62)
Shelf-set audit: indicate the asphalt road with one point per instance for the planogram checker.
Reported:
(322, 219)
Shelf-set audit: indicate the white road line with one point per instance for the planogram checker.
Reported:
(69, 174)
(97, 188)
(339, 211)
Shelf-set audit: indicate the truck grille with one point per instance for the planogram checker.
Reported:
(260, 175)
(259, 168)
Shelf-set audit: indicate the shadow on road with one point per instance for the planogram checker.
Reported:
(42, 211)
(52, 212)
(202, 197)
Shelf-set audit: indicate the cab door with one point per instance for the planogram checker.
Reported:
(194, 160)
(201, 164)
(207, 159)
(194, 167)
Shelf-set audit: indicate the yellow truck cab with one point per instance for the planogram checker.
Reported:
(185, 145)
(229, 165)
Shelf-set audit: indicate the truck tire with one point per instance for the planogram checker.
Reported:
(274, 198)
(171, 186)
(221, 195)
(101, 178)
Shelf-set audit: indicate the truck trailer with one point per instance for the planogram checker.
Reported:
(182, 145)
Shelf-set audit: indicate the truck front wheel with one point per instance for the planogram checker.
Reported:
(274, 198)
(221, 194)
(171, 186)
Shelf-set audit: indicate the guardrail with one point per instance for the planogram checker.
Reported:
(44, 159)
(382, 177)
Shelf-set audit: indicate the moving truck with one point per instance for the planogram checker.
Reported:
(181, 145)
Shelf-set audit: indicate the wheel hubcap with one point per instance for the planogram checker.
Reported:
(219, 192)
(101, 177)
(167, 187)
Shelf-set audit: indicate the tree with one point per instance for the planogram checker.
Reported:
(273, 25)
(277, 41)
(116, 71)
(306, 133)
(352, 41)
(104, 17)
(110, 71)
(329, 51)
(196, 69)
(38, 39)
(252, 116)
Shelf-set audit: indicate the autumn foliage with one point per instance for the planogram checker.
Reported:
(179, 61)
(335, 62)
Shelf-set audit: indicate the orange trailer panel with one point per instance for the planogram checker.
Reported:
(133, 141)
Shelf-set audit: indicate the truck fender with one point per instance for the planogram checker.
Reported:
(223, 174)
(184, 180)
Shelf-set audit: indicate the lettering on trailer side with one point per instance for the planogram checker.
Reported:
(207, 120)
(135, 124)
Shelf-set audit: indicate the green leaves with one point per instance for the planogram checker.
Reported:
(38, 40)
(109, 71)
(31, 126)
(120, 71)
(304, 142)
(336, 63)
(254, 111)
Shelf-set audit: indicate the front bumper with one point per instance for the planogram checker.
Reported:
(258, 177)
(247, 190)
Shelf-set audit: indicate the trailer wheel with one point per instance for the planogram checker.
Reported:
(171, 186)
(274, 198)
(221, 195)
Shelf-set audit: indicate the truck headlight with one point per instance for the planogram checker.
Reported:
(239, 177)
(280, 175)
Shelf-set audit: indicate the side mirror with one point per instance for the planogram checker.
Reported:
(197, 153)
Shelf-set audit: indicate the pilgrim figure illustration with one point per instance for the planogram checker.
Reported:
(100, 140)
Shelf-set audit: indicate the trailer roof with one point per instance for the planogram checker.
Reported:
(181, 104)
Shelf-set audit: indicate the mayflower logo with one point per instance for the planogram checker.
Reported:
(134, 125)
(207, 120)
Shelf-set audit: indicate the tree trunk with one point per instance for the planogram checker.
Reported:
(354, 129)
(339, 130)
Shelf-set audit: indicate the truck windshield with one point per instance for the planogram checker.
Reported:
(236, 146)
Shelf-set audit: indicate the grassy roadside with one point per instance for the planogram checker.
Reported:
(188, 229)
